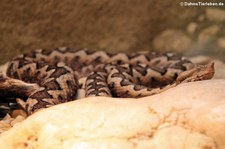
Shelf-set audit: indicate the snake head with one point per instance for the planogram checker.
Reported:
(200, 72)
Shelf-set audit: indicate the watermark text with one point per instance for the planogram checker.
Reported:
(202, 4)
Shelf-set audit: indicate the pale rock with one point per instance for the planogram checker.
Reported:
(191, 28)
(116, 43)
(201, 59)
(208, 33)
(221, 42)
(220, 69)
(214, 14)
(172, 40)
(201, 18)
(191, 115)
(3, 68)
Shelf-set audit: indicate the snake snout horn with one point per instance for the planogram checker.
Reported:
(201, 72)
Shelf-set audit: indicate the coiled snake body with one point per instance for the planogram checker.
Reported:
(52, 76)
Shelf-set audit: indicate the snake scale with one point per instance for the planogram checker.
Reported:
(57, 74)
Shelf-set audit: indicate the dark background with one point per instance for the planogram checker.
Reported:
(127, 25)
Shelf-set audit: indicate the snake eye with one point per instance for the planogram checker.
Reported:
(119, 62)
(28, 70)
(138, 62)
(60, 98)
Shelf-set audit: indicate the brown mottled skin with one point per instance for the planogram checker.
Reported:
(49, 77)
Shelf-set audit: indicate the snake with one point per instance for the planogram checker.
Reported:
(55, 74)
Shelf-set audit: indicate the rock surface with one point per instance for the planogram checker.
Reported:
(3, 68)
(208, 34)
(221, 42)
(191, 28)
(172, 40)
(191, 115)
(213, 14)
